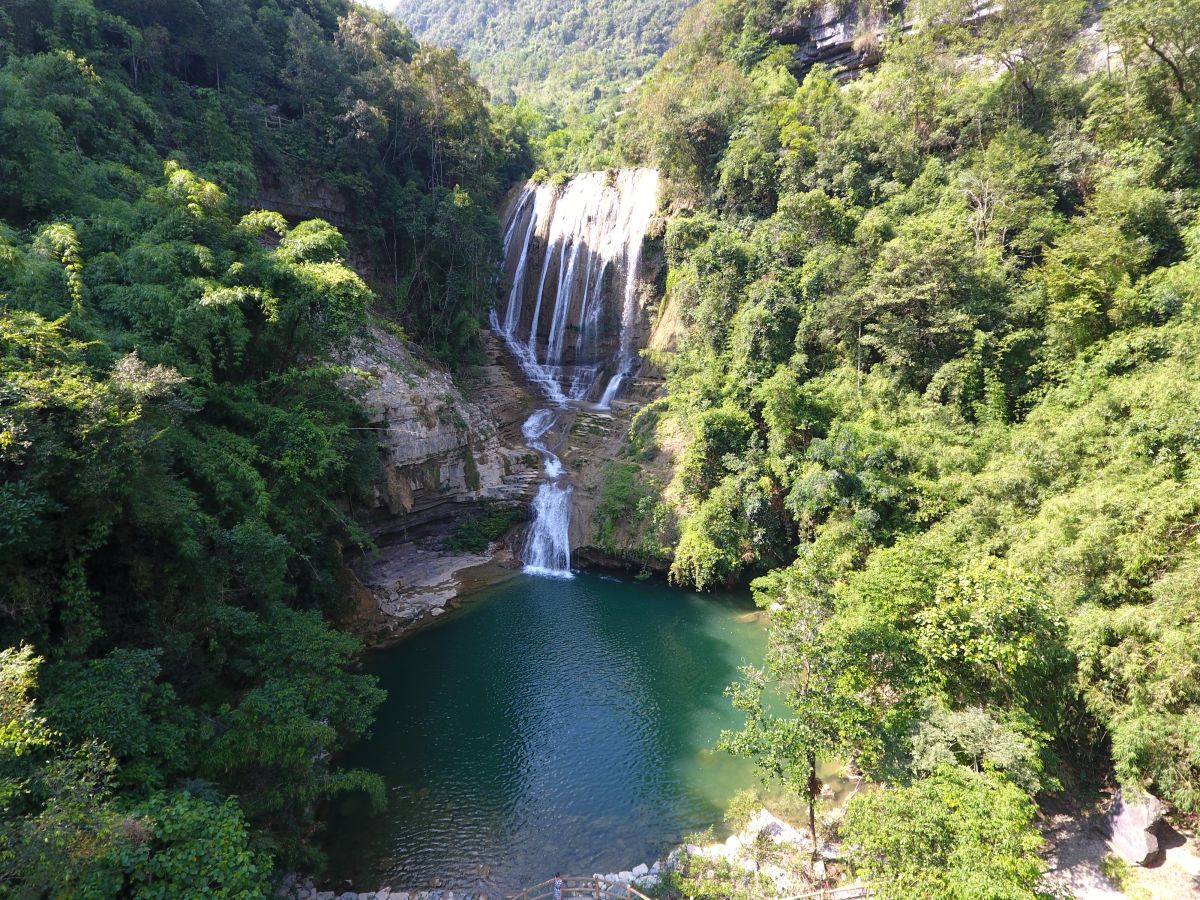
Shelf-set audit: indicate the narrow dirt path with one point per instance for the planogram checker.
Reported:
(1076, 849)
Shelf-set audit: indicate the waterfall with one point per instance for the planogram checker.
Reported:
(570, 319)
(548, 550)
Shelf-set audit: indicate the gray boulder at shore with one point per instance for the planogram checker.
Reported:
(1130, 824)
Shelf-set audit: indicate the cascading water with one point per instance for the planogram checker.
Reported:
(573, 254)
(548, 549)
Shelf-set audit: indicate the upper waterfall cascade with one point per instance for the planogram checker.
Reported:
(572, 257)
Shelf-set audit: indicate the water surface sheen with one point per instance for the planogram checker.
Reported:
(550, 724)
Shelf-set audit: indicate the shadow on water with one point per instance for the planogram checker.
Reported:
(552, 724)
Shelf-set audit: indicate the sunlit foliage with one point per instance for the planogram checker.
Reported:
(938, 393)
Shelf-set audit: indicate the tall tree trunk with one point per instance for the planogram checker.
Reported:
(814, 791)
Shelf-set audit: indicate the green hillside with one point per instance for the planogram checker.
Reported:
(555, 52)
(938, 392)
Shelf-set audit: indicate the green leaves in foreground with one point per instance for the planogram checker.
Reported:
(174, 443)
(64, 829)
(192, 847)
(957, 835)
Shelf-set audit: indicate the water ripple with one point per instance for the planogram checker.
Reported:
(556, 724)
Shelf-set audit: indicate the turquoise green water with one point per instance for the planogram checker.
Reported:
(549, 725)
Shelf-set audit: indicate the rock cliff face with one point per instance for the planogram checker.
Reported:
(309, 198)
(837, 35)
(840, 36)
(444, 452)
(594, 440)
(447, 449)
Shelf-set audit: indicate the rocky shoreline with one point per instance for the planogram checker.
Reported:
(766, 846)
(415, 585)
(450, 449)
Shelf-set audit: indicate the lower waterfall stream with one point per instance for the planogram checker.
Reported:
(548, 545)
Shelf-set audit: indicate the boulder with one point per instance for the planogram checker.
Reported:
(777, 873)
(625, 877)
(641, 869)
(1130, 824)
(764, 821)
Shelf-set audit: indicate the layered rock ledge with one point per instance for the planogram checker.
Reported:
(450, 448)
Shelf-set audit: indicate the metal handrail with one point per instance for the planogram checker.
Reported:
(847, 892)
(598, 889)
(580, 887)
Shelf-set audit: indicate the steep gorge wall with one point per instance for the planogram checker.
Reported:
(448, 450)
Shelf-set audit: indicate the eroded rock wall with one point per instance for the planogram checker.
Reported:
(848, 36)
(836, 35)
(448, 448)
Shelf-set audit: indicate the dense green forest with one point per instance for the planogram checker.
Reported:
(177, 454)
(939, 392)
(556, 53)
(936, 396)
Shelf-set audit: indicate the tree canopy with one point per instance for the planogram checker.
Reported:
(936, 392)
(183, 187)
(553, 52)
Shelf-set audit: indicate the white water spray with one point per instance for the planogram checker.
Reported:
(581, 241)
(548, 548)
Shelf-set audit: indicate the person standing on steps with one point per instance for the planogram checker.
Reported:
(557, 886)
